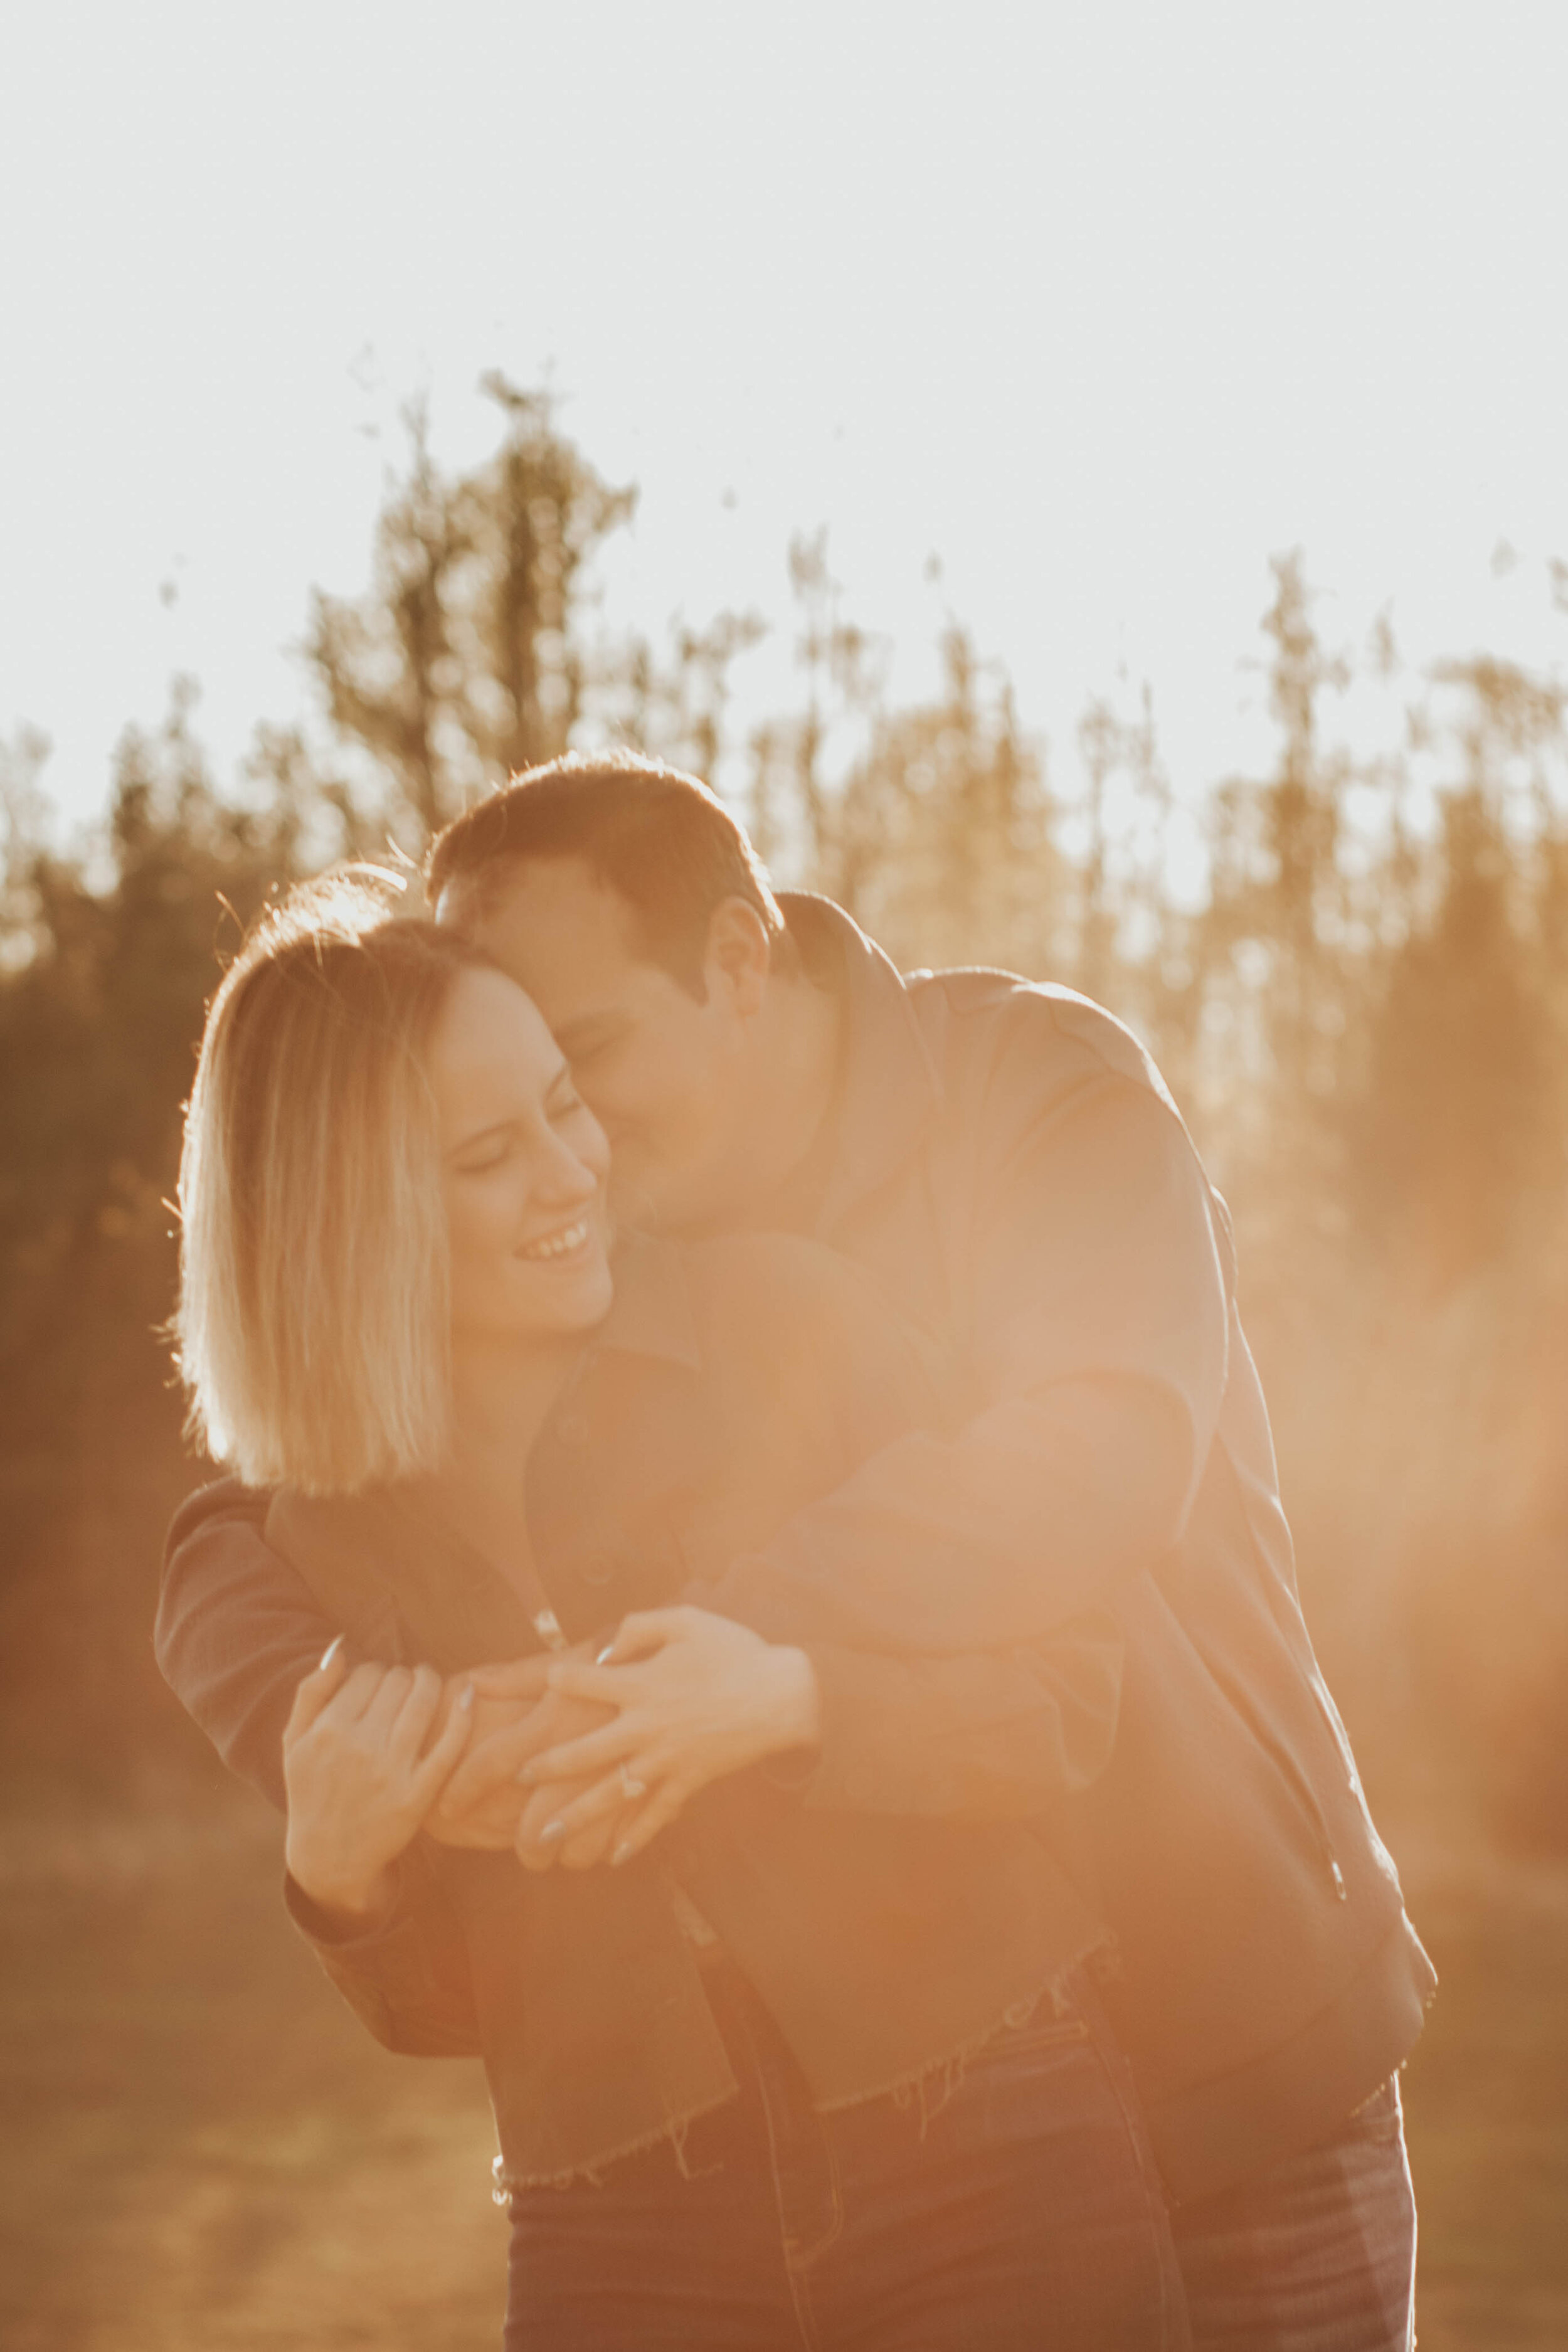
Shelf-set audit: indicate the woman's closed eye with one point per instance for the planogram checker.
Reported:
(491, 1151)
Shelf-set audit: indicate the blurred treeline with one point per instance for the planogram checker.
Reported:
(1354, 974)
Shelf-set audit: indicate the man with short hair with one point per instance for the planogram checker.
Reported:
(1006, 1160)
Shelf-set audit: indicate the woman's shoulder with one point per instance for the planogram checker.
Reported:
(349, 1534)
(343, 1547)
(304, 1520)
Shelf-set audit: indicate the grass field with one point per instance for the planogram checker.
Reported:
(203, 2151)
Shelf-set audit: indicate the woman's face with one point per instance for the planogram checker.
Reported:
(524, 1164)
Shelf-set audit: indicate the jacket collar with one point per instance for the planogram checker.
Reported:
(889, 1088)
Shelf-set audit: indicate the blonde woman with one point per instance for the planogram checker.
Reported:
(802, 2049)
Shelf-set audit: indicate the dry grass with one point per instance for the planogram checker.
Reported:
(1486, 2101)
(203, 2151)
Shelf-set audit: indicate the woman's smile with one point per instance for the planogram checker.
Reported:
(566, 1241)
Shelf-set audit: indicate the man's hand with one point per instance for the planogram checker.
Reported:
(480, 1805)
(695, 1697)
(517, 1717)
(362, 1763)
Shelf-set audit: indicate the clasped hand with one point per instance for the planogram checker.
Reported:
(371, 1756)
(366, 1752)
(694, 1697)
(518, 1716)
(572, 1760)
(610, 1749)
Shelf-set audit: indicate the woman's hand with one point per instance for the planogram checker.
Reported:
(516, 1717)
(480, 1805)
(358, 1779)
(696, 1697)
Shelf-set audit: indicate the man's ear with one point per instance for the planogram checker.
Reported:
(738, 955)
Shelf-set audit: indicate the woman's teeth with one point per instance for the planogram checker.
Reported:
(559, 1245)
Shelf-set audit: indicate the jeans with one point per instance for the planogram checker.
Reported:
(1317, 2254)
(1008, 2203)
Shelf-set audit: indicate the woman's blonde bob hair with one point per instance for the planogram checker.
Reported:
(313, 1329)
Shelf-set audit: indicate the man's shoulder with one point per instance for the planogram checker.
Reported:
(968, 1016)
(755, 1280)
(1044, 1036)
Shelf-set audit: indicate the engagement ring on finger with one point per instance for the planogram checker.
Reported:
(630, 1785)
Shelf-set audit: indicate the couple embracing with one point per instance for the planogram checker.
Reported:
(755, 1572)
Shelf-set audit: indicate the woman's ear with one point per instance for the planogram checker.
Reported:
(738, 955)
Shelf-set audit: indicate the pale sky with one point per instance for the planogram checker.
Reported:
(1104, 305)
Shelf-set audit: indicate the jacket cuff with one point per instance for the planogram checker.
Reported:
(384, 1973)
(319, 1926)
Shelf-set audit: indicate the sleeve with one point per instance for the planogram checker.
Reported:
(236, 1630)
(977, 1733)
(408, 1981)
(1098, 1340)
(987, 1736)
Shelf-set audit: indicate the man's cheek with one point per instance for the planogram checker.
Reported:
(633, 1146)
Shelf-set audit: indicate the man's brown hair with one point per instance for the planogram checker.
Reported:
(660, 839)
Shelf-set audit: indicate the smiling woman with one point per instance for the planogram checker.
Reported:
(387, 1169)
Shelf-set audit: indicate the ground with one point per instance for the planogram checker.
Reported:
(204, 2152)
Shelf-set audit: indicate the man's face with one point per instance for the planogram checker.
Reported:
(663, 1075)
